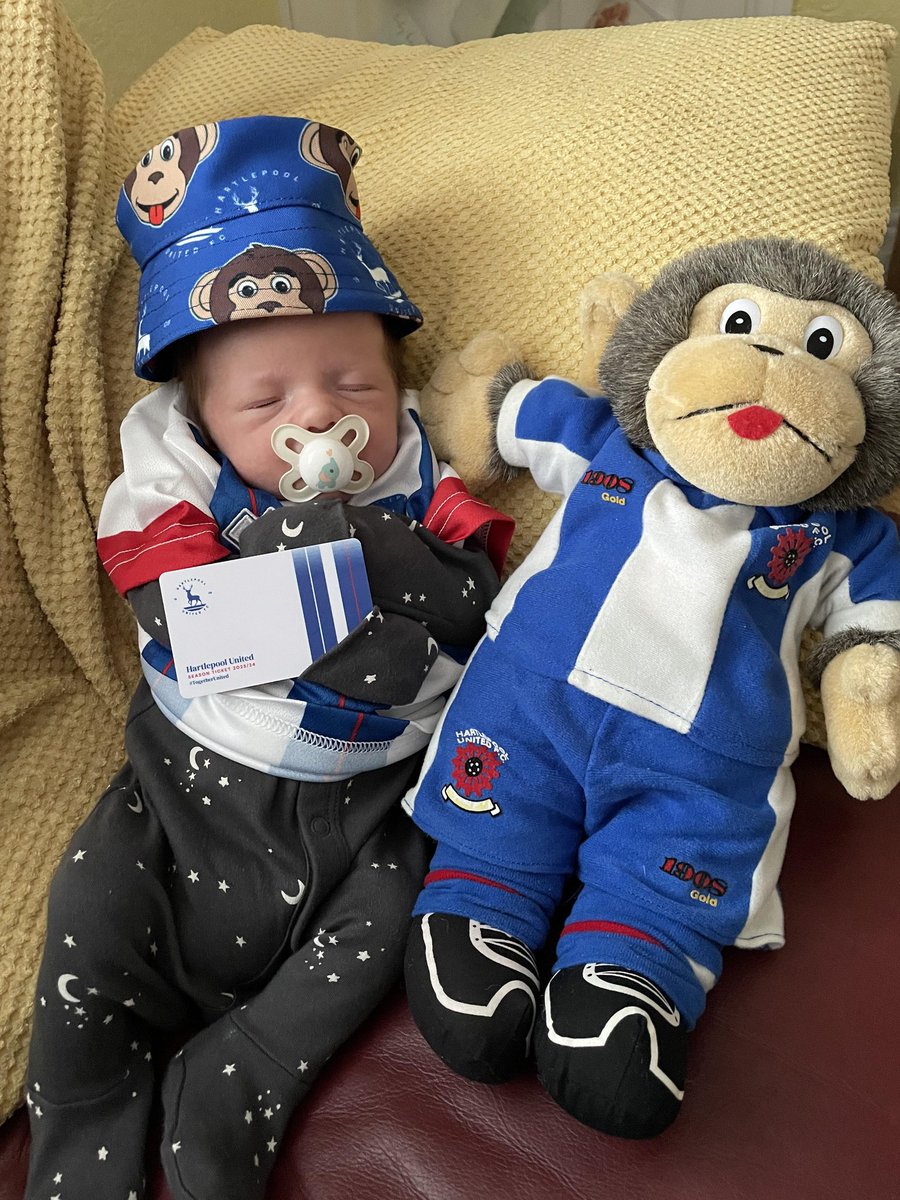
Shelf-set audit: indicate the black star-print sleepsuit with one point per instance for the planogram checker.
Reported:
(264, 916)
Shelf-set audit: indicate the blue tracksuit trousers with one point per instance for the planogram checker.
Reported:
(530, 781)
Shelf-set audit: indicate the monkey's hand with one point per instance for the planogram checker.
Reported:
(456, 408)
(600, 308)
(861, 699)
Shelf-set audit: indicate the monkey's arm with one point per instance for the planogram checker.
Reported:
(857, 664)
(456, 410)
(861, 699)
(461, 401)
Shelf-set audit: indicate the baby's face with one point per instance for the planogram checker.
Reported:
(306, 370)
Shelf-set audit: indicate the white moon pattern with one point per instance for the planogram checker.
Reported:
(138, 806)
(192, 760)
(291, 530)
(301, 886)
(63, 984)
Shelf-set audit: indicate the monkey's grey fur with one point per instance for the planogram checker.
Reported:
(659, 318)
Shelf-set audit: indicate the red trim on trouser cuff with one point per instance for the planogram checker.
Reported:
(610, 927)
(439, 876)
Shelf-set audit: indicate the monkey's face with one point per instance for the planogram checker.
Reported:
(159, 182)
(277, 293)
(758, 405)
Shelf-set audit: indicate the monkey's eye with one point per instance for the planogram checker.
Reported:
(281, 284)
(247, 289)
(824, 337)
(147, 159)
(740, 316)
(355, 156)
(167, 150)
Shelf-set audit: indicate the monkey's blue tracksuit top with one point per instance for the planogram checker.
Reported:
(645, 652)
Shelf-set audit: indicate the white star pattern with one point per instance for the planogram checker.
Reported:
(78, 857)
(332, 978)
(193, 876)
(228, 1069)
(470, 582)
(407, 598)
(57, 1178)
(223, 782)
(422, 598)
(103, 1154)
(370, 678)
(363, 955)
(281, 546)
(176, 1146)
(157, 621)
(223, 886)
(248, 1116)
(70, 941)
(304, 1066)
(240, 941)
(386, 516)
(206, 800)
(271, 1143)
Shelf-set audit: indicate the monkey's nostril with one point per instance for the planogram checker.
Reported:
(155, 177)
(768, 349)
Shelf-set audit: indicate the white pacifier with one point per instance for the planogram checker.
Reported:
(321, 462)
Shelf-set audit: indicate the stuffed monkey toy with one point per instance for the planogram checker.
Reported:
(631, 717)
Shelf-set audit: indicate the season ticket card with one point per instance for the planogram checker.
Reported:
(253, 620)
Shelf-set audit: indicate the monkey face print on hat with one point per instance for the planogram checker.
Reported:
(250, 217)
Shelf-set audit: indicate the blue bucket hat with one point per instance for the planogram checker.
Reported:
(250, 217)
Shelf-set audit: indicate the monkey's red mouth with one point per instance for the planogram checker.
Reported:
(156, 213)
(754, 421)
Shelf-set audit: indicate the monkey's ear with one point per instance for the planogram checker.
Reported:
(323, 269)
(200, 302)
(309, 146)
(207, 136)
(603, 301)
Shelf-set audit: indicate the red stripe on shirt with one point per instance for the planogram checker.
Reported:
(184, 536)
(454, 514)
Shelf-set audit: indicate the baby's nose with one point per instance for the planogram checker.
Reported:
(317, 413)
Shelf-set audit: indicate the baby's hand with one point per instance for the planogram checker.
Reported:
(861, 699)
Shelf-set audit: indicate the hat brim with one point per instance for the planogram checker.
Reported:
(282, 261)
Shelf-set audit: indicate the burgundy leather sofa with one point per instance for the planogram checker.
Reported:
(793, 1088)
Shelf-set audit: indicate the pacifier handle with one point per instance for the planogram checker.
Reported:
(323, 462)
